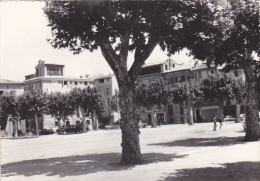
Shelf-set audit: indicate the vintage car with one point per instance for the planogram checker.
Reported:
(229, 118)
(142, 124)
(70, 129)
(46, 131)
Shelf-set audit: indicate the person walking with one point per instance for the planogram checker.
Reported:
(215, 123)
(221, 119)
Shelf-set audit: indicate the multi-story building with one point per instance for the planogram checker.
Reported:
(108, 86)
(51, 78)
(18, 89)
(206, 110)
(173, 73)
(9, 85)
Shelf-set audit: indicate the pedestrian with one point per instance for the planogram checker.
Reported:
(221, 119)
(215, 123)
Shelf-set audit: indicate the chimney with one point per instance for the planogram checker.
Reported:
(41, 61)
(195, 64)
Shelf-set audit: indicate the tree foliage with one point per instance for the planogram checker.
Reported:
(60, 106)
(152, 93)
(218, 87)
(9, 104)
(88, 100)
(36, 103)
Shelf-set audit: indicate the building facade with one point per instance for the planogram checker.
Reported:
(51, 78)
(18, 89)
(108, 86)
(173, 73)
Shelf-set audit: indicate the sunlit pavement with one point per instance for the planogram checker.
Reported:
(170, 152)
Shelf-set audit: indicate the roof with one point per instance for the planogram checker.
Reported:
(5, 81)
(154, 63)
(54, 64)
(104, 76)
(58, 78)
(203, 66)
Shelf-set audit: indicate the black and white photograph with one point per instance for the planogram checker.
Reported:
(112, 90)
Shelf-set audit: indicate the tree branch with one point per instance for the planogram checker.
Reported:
(109, 54)
(141, 54)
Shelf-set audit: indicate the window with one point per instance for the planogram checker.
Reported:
(228, 102)
(37, 72)
(236, 73)
(182, 78)
(170, 109)
(65, 82)
(107, 91)
(85, 83)
(107, 79)
(75, 82)
(54, 70)
(199, 75)
(33, 86)
(67, 123)
(176, 79)
(172, 80)
(212, 71)
(101, 80)
(195, 75)
(77, 122)
(173, 65)
(108, 101)
(166, 67)
(56, 123)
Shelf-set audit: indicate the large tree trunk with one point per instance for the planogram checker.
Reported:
(36, 125)
(252, 123)
(131, 153)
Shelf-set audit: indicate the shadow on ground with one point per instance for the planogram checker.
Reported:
(240, 171)
(78, 165)
(194, 142)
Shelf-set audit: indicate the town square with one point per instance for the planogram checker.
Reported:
(130, 90)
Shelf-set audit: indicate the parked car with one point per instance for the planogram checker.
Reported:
(112, 126)
(46, 131)
(70, 129)
(229, 118)
(142, 124)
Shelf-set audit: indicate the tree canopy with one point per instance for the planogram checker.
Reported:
(121, 26)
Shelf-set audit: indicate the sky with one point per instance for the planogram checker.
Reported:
(23, 42)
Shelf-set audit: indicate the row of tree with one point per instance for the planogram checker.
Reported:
(215, 88)
(31, 104)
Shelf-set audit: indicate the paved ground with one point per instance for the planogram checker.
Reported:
(171, 152)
